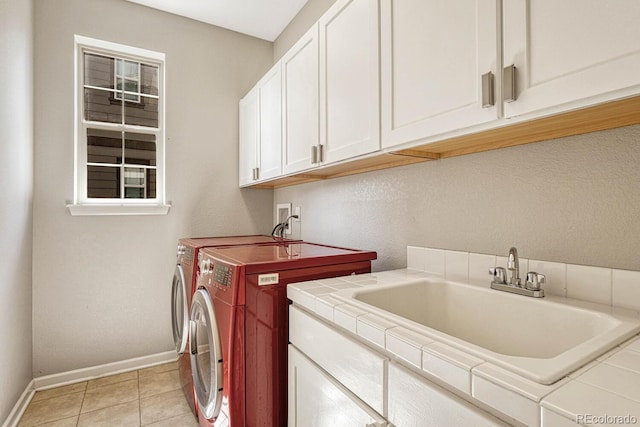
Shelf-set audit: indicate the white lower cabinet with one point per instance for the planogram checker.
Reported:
(318, 400)
(551, 419)
(334, 380)
(352, 364)
(415, 401)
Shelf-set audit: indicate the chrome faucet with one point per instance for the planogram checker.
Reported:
(513, 265)
(532, 284)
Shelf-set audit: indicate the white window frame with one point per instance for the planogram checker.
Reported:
(83, 205)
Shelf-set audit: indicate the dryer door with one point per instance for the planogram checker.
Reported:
(206, 355)
(179, 310)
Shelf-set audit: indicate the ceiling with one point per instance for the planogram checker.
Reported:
(264, 19)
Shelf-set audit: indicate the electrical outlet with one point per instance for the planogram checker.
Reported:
(296, 211)
(283, 211)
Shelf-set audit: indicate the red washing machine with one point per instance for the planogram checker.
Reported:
(183, 287)
(239, 326)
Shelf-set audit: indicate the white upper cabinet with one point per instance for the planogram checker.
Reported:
(349, 80)
(300, 103)
(571, 51)
(249, 137)
(260, 130)
(270, 157)
(433, 56)
(392, 75)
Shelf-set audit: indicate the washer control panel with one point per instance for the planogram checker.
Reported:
(222, 275)
(213, 272)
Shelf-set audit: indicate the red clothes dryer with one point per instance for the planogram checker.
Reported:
(239, 326)
(183, 287)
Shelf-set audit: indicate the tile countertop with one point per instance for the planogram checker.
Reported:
(603, 392)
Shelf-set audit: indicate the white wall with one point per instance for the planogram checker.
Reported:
(299, 25)
(16, 192)
(101, 290)
(574, 200)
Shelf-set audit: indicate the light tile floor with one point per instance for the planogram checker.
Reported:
(146, 397)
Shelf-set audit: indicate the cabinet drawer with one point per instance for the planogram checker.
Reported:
(359, 369)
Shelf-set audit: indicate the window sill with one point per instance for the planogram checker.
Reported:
(117, 209)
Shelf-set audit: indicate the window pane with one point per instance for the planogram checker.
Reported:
(131, 70)
(103, 182)
(131, 85)
(101, 106)
(133, 193)
(134, 176)
(149, 79)
(104, 146)
(98, 71)
(140, 149)
(144, 113)
(151, 183)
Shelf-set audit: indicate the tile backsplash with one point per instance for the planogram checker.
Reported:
(620, 288)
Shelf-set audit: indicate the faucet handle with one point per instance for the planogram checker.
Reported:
(499, 275)
(512, 259)
(534, 280)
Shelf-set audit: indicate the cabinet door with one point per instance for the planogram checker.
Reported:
(355, 366)
(434, 53)
(269, 154)
(249, 136)
(300, 102)
(414, 401)
(317, 400)
(349, 80)
(571, 52)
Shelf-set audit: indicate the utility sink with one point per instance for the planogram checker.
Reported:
(539, 339)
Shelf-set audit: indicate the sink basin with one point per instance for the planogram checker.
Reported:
(540, 339)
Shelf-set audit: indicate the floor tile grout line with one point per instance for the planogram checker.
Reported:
(59, 395)
(52, 421)
(84, 396)
(108, 407)
(109, 376)
(57, 419)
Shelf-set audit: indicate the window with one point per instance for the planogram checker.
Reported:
(119, 129)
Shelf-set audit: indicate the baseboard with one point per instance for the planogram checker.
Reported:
(93, 372)
(20, 406)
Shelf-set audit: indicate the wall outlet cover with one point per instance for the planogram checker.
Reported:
(283, 211)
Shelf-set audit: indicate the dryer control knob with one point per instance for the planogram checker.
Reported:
(205, 266)
(182, 249)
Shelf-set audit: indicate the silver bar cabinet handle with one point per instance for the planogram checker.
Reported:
(509, 84)
(488, 97)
